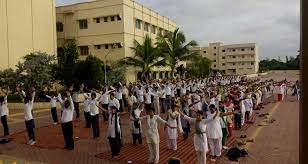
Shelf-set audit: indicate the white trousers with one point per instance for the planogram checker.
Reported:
(156, 107)
(172, 144)
(201, 157)
(215, 146)
(153, 153)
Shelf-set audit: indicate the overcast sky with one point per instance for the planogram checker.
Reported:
(273, 24)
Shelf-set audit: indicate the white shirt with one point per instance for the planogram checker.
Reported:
(53, 101)
(147, 98)
(168, 90)
(28, 107)
(86, 105)
(114, 102)
(104, 99)
(152, 134)
(4, 111)
(111, 125)
(132, 99)
(214, 128)
(119, 94)
(67, 113)
(140, 95)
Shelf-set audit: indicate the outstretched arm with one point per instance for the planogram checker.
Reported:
(104, 110)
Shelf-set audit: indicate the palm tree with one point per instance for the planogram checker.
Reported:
(146, 57)
(175, 49)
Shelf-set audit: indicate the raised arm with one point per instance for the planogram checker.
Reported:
(102, 109)
(60, 98)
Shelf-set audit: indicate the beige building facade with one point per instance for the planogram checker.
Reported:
(233, 59)
(26, 26)
(107, 29)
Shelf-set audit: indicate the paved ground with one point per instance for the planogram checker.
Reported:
(276, 142)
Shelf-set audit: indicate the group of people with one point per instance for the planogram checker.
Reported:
(209, 107)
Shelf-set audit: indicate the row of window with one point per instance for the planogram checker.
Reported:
(234, 50)
(84, 50)
(83, 23)
(233, 64)
(149, 28)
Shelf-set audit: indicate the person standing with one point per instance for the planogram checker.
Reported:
(94, 114)
(67, 105)
(173, 119)
(114, 130)
(86, 110)
(136, 124)
(53, 103)
(4, 112)
(152, 135)
(76, 102)
(185, 124)
(200, 137)
(28, 100)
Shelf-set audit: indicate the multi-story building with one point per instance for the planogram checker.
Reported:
(233, 59)
(26, 26)
(107, 29)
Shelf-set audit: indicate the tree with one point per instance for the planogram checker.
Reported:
(117, 73)
(8, 80)
(67, 58)
(36, 71)
(201, 67)
(180, 70)
(89, 72)
(176, 49)
(146, 57)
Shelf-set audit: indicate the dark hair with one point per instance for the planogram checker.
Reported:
(212, 106)
(174, 161)
(112, 94)
(200, 112)
(113, 107)
(1, 99)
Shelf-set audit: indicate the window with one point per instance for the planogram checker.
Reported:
(215, 66)
(146, 26)
(243, 56)
(119, 17)
(97, 20)
(97, 47)
(83, 24)
(119, 45)
(112, 19)
(223, 57)
(252, 49)
(252, 55)
(214, 47)
(138, 23)
(243, 49)
(223, 50)
(204, 52)
(105, 19)
(59, 27)
(223, 64)
(106, 46)
(84, 50)
(233, 50)
(243, 63)
(154, 29)
(233, 63)
(233, 57)
(252, 63)
(234, 71)
(214, 54)
(214, 60)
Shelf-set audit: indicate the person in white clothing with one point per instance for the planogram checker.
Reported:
(4, 112)
(53, 104)
(113, 102)
(94, 113)
(135, 124)
(28, 100)
(200, 138)
(67, 105)
(152, 135)
(86, 110)
(174, 120)
(131, 100)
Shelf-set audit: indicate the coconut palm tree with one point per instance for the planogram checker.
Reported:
(175, 49)
(146, 57)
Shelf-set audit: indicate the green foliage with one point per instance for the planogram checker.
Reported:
(180, 70)
(67, 58)
(117, 73)
(175, 48)
(36, 71)
(146, 57)
(291, 64)
(201, 67)
(89, 71)
(8, 80)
